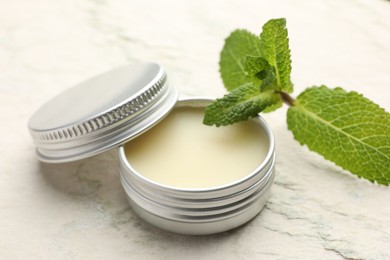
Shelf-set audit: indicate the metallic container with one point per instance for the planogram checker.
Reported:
(200, 211)
(113, 108)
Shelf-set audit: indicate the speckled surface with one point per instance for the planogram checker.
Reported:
(79, 210)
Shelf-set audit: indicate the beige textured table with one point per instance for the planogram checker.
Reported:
(79, 210)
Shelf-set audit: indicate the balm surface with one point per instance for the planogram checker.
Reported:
(182, 152)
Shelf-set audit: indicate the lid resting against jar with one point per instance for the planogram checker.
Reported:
(101, 113)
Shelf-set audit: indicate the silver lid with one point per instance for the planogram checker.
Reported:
(101, 113)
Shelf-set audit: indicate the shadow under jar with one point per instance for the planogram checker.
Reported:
(188, 178)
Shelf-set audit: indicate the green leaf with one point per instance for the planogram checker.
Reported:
(275, 49)
(239, 105)
(231, 65)
(345, 128)
(273, 107)
(261, 73)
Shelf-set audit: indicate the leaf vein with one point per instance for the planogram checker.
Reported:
(327, 123)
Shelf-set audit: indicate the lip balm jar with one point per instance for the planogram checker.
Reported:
(205, 208)
(123, 108)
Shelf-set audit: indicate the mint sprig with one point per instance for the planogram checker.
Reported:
(344, 127)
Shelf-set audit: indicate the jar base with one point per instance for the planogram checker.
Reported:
(205, 227)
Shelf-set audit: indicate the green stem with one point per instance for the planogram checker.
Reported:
(289, 100)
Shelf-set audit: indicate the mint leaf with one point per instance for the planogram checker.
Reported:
(261, 73)
(273, 107)
(275, 49)
(345, 128)
(239, 44)
(239, 105)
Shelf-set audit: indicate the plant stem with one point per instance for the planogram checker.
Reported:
(290, 101)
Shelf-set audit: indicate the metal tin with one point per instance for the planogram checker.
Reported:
(114, 107)
(101, 113)
(200, 211)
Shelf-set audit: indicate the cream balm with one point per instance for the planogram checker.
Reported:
(182, 152)
(188, 178)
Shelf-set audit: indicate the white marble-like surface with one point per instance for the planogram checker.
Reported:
(79, 210)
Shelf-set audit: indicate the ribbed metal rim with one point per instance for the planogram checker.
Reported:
(187, 201)
(107, 118)
(191, 215)
(196, 207)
